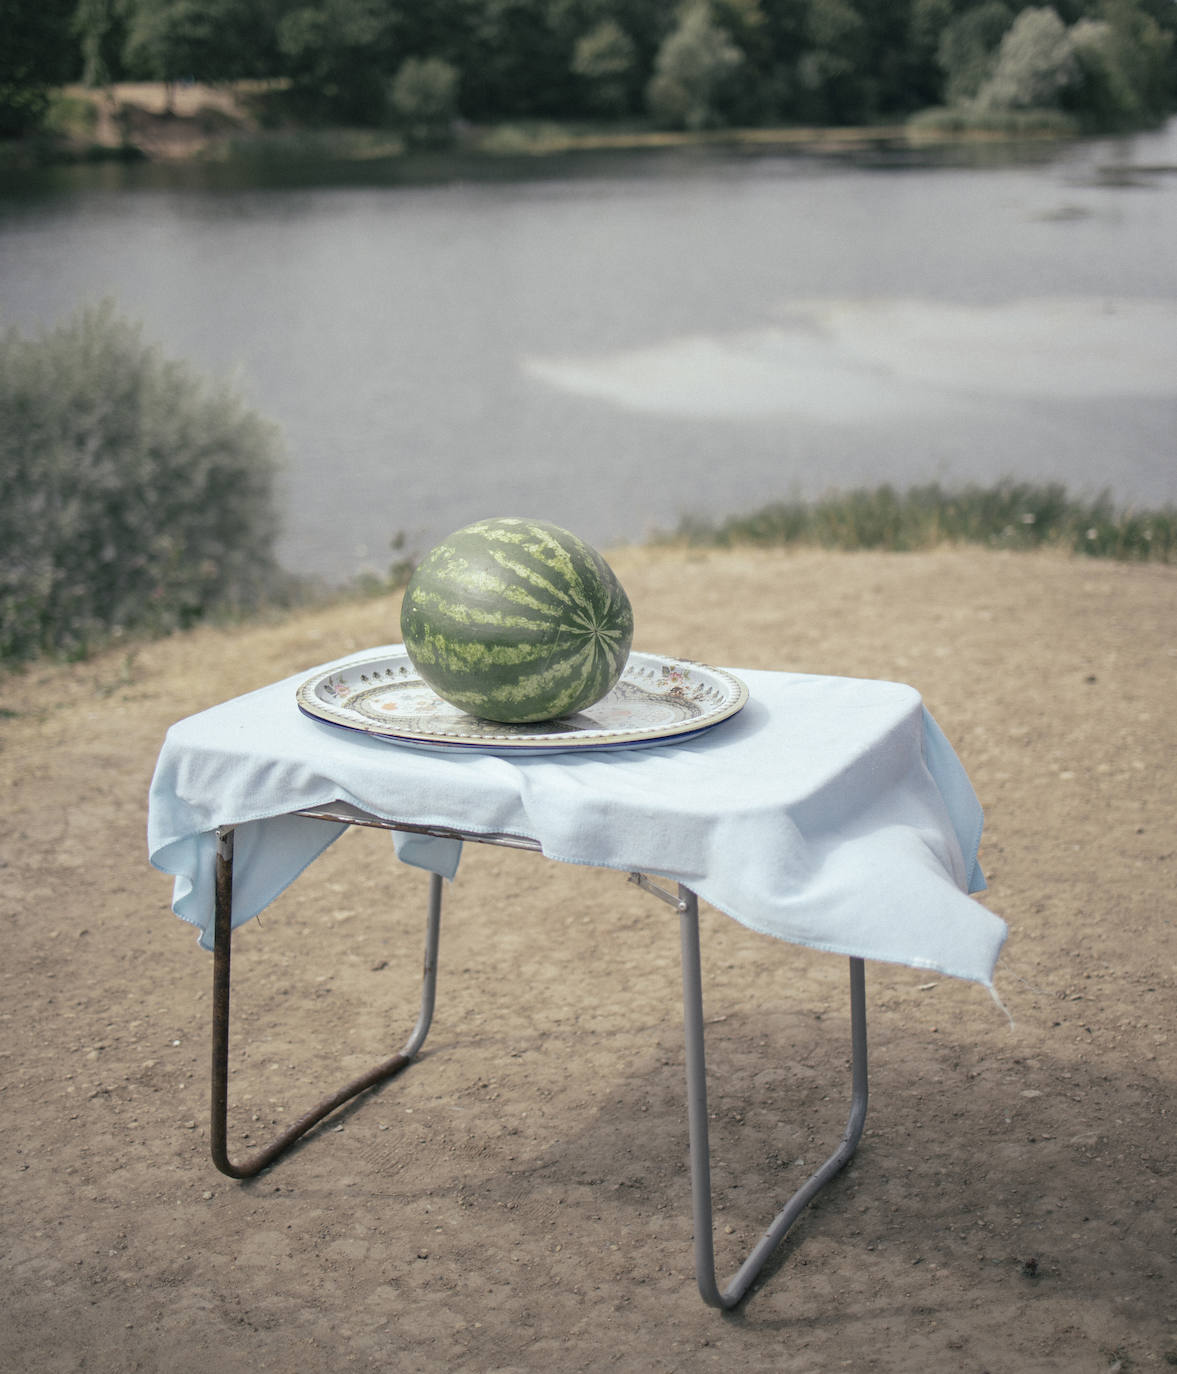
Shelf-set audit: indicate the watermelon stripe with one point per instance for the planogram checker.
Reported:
(517, 620)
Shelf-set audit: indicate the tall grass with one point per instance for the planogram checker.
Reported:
(1010, 515)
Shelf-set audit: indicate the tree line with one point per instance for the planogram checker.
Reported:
(694, 64)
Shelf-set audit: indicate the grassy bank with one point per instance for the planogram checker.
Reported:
(1010, 515)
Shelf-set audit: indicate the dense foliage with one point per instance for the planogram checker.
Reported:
(134, 494)
(686, 63)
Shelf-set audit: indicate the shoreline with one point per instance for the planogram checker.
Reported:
(131, 122)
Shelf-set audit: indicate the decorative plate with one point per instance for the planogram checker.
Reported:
(656, 701)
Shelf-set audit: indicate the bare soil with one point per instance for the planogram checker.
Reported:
(518, 1198)
(182, 121)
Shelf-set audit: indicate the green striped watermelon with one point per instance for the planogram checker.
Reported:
(516, 620)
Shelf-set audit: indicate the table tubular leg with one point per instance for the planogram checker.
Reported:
(709, 1289)
(222, 946)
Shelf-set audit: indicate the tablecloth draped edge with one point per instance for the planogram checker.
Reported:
(937, 742)
(760, 928)
(183, 885)
(822, 947)
(976, 880)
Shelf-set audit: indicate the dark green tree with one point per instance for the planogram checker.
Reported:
(438, 29)
(926, 22)
(182, 40)
(1125, 68)
(37, 52)
(1146, 52)
(901, 73)
(832, 67)
(774, 59)
(751, 96)
(968, 49)
(605, 59)
(338, 57)
(519, 63)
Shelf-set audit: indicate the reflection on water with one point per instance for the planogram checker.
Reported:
(610, 341)
(854, 362)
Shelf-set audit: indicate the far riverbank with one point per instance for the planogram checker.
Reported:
(151, 121)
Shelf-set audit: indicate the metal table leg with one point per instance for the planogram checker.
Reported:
(686, 903)
(222, 947)
(688, 909)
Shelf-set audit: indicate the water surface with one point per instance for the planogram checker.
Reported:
(612, 342)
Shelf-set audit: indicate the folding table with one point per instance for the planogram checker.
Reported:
(830, 812)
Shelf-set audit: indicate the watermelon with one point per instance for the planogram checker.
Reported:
(516, 620)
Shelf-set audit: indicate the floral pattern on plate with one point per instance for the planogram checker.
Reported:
(657, 700)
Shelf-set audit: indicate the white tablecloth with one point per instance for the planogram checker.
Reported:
(830, 812)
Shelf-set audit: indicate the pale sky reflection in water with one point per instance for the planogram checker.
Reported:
(846, 361)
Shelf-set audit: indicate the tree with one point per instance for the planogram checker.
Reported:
(36, 54)
(901, 69)
(926, 23)
(336, 55)
(519, 61)
(1035, 64)
(1125, 68)
(186, 40)
(692, 65)
(754, 97)
(968, 49)
(424, 94)
(605, 59)
(834, 71)
(100, 28)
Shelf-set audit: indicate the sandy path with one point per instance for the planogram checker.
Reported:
(518, 1200)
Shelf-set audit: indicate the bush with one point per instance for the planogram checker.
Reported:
(134, 494)
(71, 116)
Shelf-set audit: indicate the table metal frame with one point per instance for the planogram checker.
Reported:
(686, 903)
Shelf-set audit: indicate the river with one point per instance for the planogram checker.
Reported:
(611, 342)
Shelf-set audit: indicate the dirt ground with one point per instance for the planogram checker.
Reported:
(182, 122)
(518, 1199)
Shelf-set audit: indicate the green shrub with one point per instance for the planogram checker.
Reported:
(71, 115)
(134, 494)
